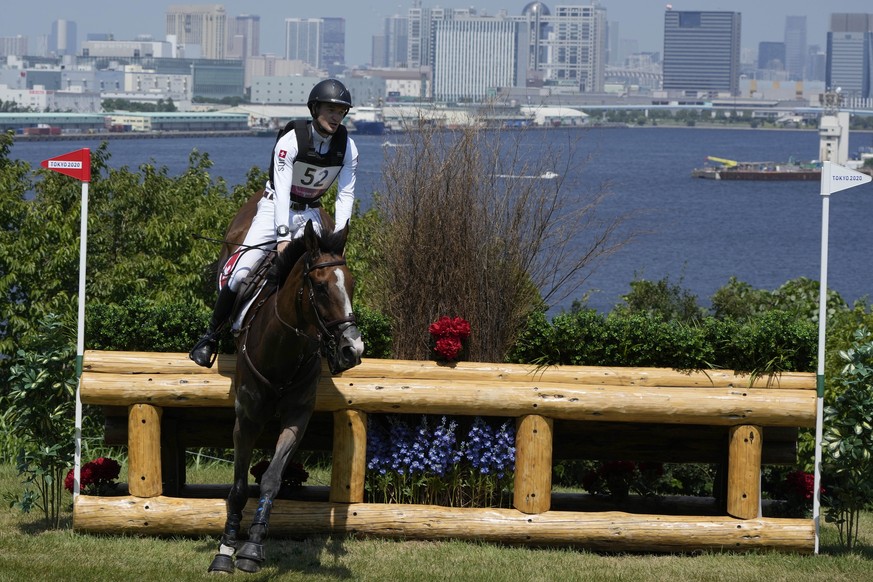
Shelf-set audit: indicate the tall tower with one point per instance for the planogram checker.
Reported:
(702, 51)
(795, 47)
(244, 37)
(850, 55)
(333, 45)
(303, 38)
(204, 25)
(396, 41)
(63, 39)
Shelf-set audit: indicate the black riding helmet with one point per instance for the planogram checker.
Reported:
(329, 91)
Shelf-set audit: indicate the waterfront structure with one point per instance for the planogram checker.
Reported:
(303, 38)
(795, 47)
(244, 37)
(701, 52)
(850, 55)
(63, 38)
(201, 25)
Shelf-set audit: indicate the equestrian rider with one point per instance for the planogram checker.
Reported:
(309, 156)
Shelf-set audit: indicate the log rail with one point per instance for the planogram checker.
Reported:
(744, 410)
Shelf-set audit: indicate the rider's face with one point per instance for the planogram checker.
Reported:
(329, 116)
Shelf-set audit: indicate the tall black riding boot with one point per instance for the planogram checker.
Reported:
(205, 351)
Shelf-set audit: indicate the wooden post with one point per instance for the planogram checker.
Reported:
(533, 464)
(144, 450)
(349, 456)
(744, 471)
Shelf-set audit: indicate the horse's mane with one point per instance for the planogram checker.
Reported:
(328, 243)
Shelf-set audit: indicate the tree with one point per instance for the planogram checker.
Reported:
(459, 238)
(140, 239)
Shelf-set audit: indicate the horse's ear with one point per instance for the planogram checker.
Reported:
(344, 235)
(310, 239)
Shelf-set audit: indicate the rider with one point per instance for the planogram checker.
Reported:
(309, 156)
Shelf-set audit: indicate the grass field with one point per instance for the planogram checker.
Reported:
(29, 551)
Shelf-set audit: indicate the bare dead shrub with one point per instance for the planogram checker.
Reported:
(469, 230)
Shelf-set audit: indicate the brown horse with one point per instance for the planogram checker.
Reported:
(307, 313)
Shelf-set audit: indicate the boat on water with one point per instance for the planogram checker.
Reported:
(725, 169)
(833, 131)
(367, 121)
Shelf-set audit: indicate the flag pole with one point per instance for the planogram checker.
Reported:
(820, 372)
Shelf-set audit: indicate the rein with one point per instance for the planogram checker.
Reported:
(323, 327)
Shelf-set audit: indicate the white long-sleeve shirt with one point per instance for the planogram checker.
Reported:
(284, 155)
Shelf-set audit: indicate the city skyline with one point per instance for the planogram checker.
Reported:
(640, 20)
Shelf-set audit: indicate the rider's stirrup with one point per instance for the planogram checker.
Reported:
(205, 352)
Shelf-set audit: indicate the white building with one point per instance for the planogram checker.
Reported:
(127, 49)
(473, 57)
(41, 99)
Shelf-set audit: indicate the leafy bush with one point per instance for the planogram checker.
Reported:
(848, 441)
(41, 401)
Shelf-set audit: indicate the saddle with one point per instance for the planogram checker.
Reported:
(250, 289)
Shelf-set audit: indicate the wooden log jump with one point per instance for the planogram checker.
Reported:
(736, 413)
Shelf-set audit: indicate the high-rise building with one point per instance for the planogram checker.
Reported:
(396, 41)
(203, 25)
(13, 45)
(771, 56)
(303, 38)
(333, 45)
(472, 57)
(850, 55)
(576, 48)
(244, 37)
(420, 24)
(702, 52)
(795, 47)
(63, 39)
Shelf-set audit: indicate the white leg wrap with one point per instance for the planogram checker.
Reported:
(225, 550)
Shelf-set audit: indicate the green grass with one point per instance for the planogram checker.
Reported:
(29, 551)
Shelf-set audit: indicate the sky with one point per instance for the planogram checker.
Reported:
(643, 20)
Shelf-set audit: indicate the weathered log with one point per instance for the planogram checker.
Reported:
(532, 492)
(349, 456)
(144, 450)
(744, 471)
(606, 531)
(668, 405)
(177, 363)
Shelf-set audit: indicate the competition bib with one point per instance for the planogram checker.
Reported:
(310, 181)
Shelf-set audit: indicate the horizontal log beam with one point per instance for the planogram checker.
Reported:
(606, 531)
(154, 363)
(603, 403)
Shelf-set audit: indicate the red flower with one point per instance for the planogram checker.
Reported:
(447, 327)
(448, 334)
(97, 474)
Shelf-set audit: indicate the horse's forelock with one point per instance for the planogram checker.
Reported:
(332, 242)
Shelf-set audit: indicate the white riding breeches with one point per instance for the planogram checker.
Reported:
(262, 236)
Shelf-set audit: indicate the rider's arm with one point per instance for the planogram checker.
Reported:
(284, 155)
(345, 194)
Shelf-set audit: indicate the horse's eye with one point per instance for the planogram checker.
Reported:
(321, 288)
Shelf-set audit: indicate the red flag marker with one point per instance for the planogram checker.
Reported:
(76, 164)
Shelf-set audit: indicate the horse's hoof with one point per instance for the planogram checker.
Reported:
(221, 564)
(248, 566)
(249, 557)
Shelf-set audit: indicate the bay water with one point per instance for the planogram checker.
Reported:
(696, 232)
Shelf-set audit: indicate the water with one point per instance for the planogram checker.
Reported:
(701, 232)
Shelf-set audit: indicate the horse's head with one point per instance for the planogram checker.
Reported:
(328, 286)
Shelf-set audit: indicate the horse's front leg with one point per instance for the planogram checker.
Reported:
(244, 435)
(252, 554)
